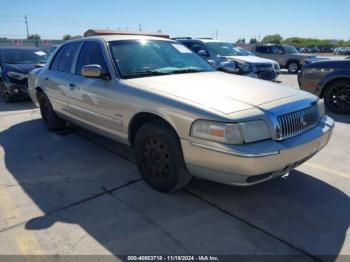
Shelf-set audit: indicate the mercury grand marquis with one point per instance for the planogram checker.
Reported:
(180, 116)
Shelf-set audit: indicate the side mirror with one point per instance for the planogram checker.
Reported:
(202, 53)
(94, 71)
(228, 67)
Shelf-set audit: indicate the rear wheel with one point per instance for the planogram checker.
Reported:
(50, 118)
(159, 157)
(293, 67)
(337, 97)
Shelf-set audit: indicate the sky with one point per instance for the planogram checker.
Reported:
(230, 19)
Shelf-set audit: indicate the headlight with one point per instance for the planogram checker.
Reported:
(277, 67)
(17, 76)
(321, 107)
(244, 67)
(230, 133)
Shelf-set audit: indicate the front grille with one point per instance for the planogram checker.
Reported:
(267, 75)
(295, 123)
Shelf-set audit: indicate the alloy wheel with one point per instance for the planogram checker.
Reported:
(338, 98)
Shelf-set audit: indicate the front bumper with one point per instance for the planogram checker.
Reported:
(254, 163)
(16, 89)
(264, 75)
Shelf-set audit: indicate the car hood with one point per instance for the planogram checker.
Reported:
(252, 59)
(226, 93)
(22, 68)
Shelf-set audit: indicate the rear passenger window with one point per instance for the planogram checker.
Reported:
(56, 60)
(67, 57)
(91, 53)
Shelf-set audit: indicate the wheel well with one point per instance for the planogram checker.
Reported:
(293, 60)
(330, 82)
(142, 118)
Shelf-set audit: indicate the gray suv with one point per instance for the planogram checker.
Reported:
(226, 57)
(286, 55)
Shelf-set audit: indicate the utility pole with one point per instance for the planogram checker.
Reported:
(26, 21)
(216, 34)
(140, 28)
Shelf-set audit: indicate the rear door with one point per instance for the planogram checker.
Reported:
(278, 54)
(56, 79)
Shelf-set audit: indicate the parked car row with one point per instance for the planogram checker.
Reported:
(342, 51)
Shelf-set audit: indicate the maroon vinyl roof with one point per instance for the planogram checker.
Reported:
(96, 32)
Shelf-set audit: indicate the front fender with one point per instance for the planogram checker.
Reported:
(338, 74)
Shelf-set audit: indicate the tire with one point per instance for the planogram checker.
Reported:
(50, 118)
(337, 97)
(159, 157)
(6, 96)
(293, 67)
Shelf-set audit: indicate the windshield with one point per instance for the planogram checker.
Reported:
(290, 49)
(24, 56)
(141, 58)
(224, 49)
(244, 51)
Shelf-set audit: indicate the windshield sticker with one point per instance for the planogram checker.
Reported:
(181, 48)
(41, 53)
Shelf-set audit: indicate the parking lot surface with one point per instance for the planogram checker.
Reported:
(77, 193)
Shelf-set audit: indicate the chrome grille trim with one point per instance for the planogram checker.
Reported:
(297, 122)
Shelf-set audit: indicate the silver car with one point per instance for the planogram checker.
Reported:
(226, 57)
(180, 116)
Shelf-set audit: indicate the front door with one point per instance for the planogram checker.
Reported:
(93, 101)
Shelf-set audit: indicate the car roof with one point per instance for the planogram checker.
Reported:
(109, 38)
(20, 47)
(202, 40)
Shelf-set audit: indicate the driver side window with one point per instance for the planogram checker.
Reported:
(91, 53)
(195, 47)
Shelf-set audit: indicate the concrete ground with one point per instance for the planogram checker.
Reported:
(77, 193)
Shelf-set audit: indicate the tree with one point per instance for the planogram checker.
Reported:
(241, 41)
(76, 37)
(67, 37)
(276, 39)
(35, 36)
(253, 41)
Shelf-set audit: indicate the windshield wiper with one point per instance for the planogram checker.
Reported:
(186, 70)
(146, 73)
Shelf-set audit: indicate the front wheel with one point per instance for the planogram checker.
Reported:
(337, 97)
(159, 157)
(50, 118)
(293, 67)
(5, 94)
